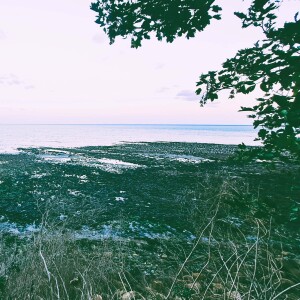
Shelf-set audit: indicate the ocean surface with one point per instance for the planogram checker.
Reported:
(13, 137)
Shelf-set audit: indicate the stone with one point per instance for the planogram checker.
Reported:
(234, 295)
(128, 295)
(218, 287)
(196, 275)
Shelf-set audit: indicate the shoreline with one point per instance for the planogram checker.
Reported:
(146, 205)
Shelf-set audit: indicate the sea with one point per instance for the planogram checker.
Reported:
(14, 137)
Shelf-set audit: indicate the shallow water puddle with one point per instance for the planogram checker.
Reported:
(105, 164)
(112, 230)
(176, 157)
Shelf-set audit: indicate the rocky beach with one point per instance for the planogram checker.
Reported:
(163, 215)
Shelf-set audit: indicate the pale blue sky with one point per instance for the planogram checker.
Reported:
(57, 67)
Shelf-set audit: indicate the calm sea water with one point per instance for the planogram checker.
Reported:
(13, 137)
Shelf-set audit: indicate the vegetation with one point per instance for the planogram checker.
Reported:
(229, 259)
(272, 65)
(102, 231)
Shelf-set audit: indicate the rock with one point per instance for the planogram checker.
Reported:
(218, 287)
(196, 275)
(234, 296)
(195, 286)
(97, 297)
(128, 295)
(159, 296)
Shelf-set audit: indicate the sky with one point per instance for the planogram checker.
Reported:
(57, 67)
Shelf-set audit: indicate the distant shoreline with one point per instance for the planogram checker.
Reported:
(68, 135)
(121, 124)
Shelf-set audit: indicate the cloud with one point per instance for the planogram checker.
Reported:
(2, 35)
(159, 66)
(162, 89)
(187, 95)
(99, 38)
(3, 79)
(10, 79)
(14, 80)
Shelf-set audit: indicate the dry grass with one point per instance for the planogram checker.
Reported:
(240, 262)
(226, 261)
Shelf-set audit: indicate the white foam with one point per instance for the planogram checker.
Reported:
(74, 192)
(38, 175)
(106, 164)
(195, 160)
(180, 158)
(57, 151)
(122, 199)
(54, 158)
(117, 162)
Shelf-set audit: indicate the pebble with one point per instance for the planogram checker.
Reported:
(195, 286)
(128, 295)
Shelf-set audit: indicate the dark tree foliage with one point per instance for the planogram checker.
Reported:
(272, 65)
(166, 18)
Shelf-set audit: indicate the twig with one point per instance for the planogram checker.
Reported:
(122, 281)
(191, 252)
(45, 265)
(287, 289)
(255, 262)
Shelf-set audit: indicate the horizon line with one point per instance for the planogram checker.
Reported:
(127, 124)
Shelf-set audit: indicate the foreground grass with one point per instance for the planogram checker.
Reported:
(229, 259)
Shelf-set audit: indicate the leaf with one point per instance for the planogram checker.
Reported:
(264, 87)
(250, 89)
(246, 108)
(240, 15)
(198, 91)
(216, 8)
(94, 6)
